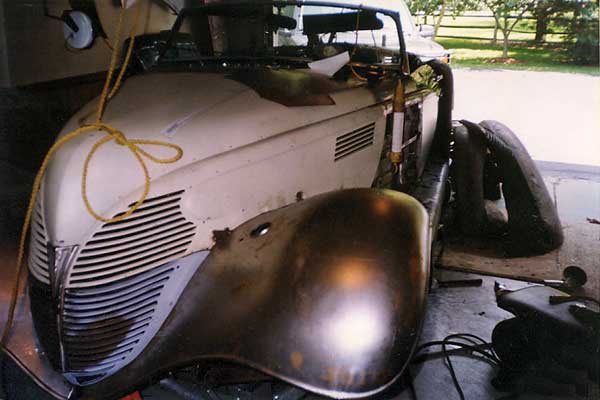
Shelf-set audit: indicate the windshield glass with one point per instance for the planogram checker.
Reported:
(375, 29)
(408, 26)
(306, 32)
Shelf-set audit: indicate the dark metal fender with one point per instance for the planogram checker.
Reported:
(533, 223)
(327, 294)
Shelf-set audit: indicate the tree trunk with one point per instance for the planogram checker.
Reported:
(495, 39)
(505, 33)
(575, 20)
(439, 20)
(496, 27)
(541, 27)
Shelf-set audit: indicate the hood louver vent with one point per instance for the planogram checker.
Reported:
(38, 245)
(354, 141)
(153, 235)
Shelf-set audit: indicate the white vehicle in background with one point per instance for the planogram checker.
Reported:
(418, 40)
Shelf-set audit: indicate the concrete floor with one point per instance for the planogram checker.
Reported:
(556, 115)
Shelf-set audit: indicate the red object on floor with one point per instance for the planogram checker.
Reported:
(132, 396)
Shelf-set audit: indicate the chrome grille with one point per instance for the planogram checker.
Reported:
(153, 235)
(38, 250)
(354, 141)
(121, 287)
(102, 326)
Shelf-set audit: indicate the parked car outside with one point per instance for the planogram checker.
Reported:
(418, 39)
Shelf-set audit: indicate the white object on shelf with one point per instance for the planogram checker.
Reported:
(84, 37)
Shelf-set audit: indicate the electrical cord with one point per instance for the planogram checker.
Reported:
(480, 349)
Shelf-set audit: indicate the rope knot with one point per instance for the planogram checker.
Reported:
(119, 137)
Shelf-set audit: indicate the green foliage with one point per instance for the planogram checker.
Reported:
(583, 34)
(505, 8)
(523, 56)
(426, 78)
(431, 7)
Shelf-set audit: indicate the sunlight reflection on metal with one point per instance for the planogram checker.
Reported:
(356, 329)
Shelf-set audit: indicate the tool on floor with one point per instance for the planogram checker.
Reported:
(573, 278)
(549, 345)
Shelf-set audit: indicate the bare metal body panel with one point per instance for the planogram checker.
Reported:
(296, 294)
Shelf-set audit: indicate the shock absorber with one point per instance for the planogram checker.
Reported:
(398, 129)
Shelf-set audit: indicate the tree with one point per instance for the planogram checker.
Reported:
(543, 10)
(582, 32)
(507, 13)
(430, 7)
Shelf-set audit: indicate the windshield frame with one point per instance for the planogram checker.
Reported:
(204, 9)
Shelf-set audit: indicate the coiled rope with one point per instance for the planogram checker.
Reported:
(112, 134)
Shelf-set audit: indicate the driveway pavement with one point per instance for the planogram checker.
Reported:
(556, 115)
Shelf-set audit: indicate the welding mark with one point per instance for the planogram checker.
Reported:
(593, 221)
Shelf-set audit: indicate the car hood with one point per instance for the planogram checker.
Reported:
(423, 47)
(205, 114)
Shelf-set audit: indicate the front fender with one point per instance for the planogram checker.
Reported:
(327, 294)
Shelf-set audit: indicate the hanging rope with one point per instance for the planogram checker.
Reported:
(112, 134)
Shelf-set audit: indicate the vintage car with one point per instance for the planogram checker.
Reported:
(293, 237)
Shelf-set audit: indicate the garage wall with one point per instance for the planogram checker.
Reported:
(41, 82)
(31, 117)
(32, 46)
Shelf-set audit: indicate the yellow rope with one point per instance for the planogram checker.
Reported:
(138, 153)
(356, 74)
(111, 134)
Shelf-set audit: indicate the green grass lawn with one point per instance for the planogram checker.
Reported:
(477, 25)
(523, 53)
(522, 56)
(457, 26)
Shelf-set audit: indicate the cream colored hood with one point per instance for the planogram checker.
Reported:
(208, 115)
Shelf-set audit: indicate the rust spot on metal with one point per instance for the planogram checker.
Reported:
(352, 274)
(291, 88)
(222, 238)
(297, 359)
(329, 375)
(239, 288)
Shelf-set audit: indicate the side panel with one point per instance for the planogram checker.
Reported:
(337, 154)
